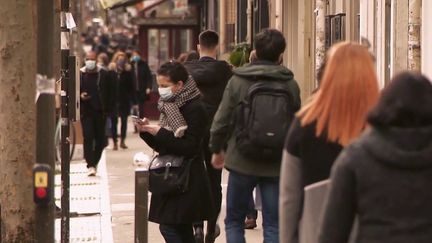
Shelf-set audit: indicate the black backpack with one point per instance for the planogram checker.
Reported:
(262, 120)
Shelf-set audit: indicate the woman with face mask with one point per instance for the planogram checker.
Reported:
(125, 96)
(181, 128)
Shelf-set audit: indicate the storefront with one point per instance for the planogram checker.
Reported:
(166, 29)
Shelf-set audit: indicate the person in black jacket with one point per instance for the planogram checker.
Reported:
(211, 77)
(181, 129)
(125, 96)
(384, 178)
(96, 103)
(142, 80)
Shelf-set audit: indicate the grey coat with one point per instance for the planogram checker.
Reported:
(385, 179)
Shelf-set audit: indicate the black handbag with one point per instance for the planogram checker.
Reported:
(169, 175)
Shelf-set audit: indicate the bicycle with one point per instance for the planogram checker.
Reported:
(57, 142)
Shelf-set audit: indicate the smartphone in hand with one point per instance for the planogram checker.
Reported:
(137, 120)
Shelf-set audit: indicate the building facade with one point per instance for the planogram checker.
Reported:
(396, 32)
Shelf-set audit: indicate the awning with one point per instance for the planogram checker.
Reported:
(112, 4)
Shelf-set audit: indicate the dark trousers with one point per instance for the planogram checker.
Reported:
(141, 110)
(215, 177)
(252, 212)
(94, 138)
(123, 128)
(177, 233)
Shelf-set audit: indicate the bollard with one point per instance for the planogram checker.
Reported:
(141, 205)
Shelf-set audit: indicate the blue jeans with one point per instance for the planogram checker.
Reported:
(239, 189)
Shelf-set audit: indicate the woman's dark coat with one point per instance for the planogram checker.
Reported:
(385, 177)
(192, 206)
(125, 92)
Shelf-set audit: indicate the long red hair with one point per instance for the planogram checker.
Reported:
(349, 89)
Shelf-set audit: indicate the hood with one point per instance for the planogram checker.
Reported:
(261, 70)
(207, 71)
(407, 148)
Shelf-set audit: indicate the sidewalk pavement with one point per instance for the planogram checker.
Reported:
(89, 200)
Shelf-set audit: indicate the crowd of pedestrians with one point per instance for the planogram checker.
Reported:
(115, 82)
(372, 149)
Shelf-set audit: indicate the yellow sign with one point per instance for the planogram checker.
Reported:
(41, 179)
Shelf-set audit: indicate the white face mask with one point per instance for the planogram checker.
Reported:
(165, 93)
(90, 64)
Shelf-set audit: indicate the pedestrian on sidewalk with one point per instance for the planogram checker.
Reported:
(143, 80)
(211, 77)
(335, 116)
(182, 127)
(125, 96)
(384, 178)
(264, 98)
(96, 102)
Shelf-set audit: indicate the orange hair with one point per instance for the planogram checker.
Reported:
(349, 89)
(117, 55)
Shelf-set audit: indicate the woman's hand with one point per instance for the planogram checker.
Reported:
(152, 129)
(218, 160)
(145, 121)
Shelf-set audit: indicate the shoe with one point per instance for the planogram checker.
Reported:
(115, 147)
(250, 223)
(123, 145)
(210, 238)
(91, 171)
(199, 235)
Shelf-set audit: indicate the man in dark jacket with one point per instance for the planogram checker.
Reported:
(96, 103)
(211, 77)
(245, 172)
(143, 80)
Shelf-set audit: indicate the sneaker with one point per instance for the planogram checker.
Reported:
(91, 171)
(250, 223)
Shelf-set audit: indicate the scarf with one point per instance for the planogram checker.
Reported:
(170, 117)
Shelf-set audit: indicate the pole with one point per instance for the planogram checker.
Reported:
(320, 35)
(141, 205)
(45, 118)
(414, 35)
(65, 153)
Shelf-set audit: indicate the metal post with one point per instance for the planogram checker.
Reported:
(45, 124)
(141, 205)
(65, 146)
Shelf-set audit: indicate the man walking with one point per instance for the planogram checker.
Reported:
(96, 103)
(264, 97)
(211, 77)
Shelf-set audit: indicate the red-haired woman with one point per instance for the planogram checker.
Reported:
(335, 115)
